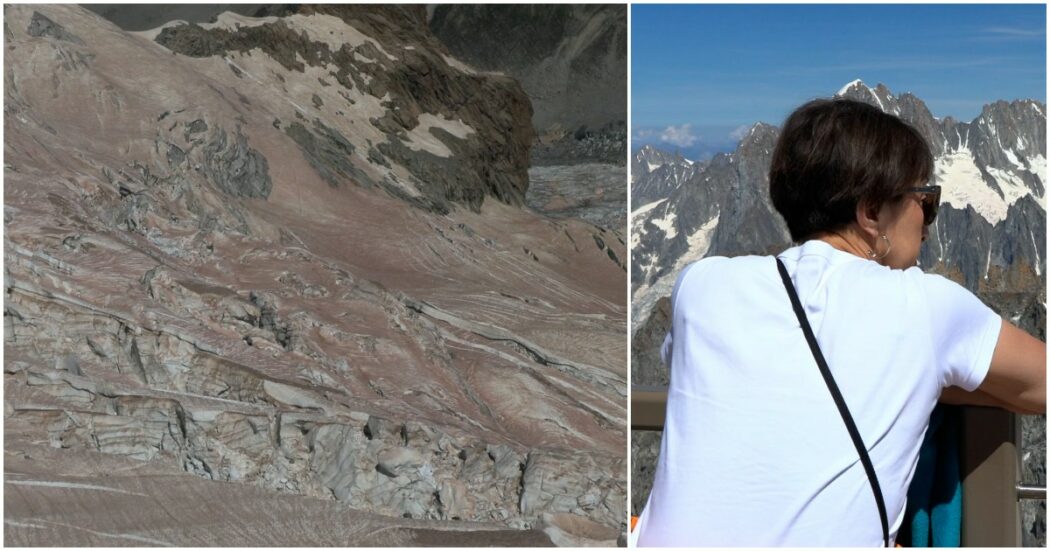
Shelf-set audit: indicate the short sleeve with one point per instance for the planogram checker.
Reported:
(964, 332)
(668, 345)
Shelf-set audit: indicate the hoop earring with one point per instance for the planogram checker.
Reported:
(874, 256)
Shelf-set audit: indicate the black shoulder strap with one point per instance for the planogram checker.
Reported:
(837, 396)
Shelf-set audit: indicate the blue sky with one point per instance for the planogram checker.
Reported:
(701, 72)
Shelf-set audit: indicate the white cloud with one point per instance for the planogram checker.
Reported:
(739, 132)
(644, 133)
(1014, 32)
(682, 136)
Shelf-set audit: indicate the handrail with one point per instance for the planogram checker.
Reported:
(648, 406)
(1030, 492)
(990, 468)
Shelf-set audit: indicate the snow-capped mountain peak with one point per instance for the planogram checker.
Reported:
(992, 171)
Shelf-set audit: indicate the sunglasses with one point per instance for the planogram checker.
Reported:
(931, 199)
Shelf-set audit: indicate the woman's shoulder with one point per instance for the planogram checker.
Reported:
(708, 272)
(724, 266)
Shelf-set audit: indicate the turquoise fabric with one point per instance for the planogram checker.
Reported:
(933, 517)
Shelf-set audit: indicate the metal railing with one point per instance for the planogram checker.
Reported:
(1031, 492)
(991, 467)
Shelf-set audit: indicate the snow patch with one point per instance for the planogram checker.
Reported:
(230, 21)
(1037, 166)
(70, 486)
(1011, 184)
(638, 218)
(421, 138)
(1035, 248)
(842, 91)
(151, 34)
(646, 208)
(333, 31)
(963, 184)
(699, 242)
(666, 223)
(363, 58)
(457, 64)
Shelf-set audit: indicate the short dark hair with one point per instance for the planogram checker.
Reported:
(834, 154)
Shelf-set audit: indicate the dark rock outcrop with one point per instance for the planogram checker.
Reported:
(485, 155)
(571, 59)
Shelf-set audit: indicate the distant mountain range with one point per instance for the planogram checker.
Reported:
(988, 235)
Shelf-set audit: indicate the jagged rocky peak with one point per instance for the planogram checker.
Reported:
(655, 173)
(1017, 127)
(880, 96)
(652, 158)
(369, 87)
(761, 135)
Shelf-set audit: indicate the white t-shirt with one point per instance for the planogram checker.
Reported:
(754, 451)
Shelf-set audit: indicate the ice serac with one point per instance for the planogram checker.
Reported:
(989, 234)
(288, 253)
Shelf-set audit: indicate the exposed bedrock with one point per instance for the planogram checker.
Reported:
(480, 122)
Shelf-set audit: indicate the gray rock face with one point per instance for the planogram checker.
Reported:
(236, 168)
(592, 192)
(40, 25)
(645, 451)
(140, 17)
(656, 174)
(481, 121)
(550, 484)
(647, 369)
(607, 144)
(571, 59)
(987, 235)
(329, 153)
(723, 208)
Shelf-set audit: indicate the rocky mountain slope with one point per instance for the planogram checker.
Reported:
(655, 173)
(287, 253)
(989, 234)
(571, 60)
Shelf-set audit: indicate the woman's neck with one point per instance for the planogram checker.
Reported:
(846, 241)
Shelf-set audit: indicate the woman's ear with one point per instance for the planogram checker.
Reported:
(867, 217)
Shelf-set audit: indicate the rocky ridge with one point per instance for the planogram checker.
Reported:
(571, 61)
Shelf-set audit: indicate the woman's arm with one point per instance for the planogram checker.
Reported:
(958, 397)
(1016, 380)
